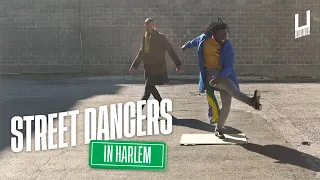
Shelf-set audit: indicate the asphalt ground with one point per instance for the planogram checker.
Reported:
(284, 138)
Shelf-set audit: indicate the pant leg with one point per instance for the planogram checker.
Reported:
(155, 93)
(147, 93)
(213, 106)
(226, 99)
(227, 85)
(151, 89)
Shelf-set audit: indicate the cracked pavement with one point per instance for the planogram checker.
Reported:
(290, 116)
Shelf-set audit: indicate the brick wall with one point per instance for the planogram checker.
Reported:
(104, 35)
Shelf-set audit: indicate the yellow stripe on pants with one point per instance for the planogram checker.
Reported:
(213, 109)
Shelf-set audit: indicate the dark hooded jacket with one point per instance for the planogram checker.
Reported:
(155, 68)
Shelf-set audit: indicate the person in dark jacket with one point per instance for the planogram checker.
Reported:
(152, 54)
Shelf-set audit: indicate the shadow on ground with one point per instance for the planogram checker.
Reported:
(285, 155)
(23, 95)
(199, 125)
(279, 153)
(42, 95)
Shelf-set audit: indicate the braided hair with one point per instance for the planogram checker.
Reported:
(215, 26)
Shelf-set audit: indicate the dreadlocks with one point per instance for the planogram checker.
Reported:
(215, 26)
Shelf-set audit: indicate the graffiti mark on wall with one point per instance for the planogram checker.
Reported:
(302, 30)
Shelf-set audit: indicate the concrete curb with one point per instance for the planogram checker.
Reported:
(171, 77)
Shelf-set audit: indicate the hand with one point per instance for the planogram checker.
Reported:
(183, 48)
(213, 81)
(131, 70)
(179, 69)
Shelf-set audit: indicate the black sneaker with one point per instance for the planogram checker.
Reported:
(256, 100)
(219, 134)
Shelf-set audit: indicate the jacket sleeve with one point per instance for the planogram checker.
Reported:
(192, 43)
(137, 61)
(168, 47)
(228, 62)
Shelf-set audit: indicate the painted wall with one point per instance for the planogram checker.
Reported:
(104, 35)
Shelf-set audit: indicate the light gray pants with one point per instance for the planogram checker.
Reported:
(227, 90)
